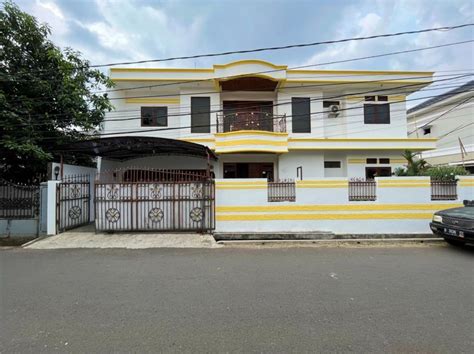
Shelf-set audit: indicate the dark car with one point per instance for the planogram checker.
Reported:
(456, 225)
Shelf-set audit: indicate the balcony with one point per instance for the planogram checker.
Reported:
(259, 121)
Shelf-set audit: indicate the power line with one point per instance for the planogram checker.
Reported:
(291, 68)
(335, 135)
(146, 131)
(462, 126)
(300, 45)
(393, 90)
(117, 117)
(288, 87)
(443, 114)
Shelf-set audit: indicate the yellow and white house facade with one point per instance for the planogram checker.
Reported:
(322, 131)
(265, 121)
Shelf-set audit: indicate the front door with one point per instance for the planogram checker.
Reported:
(372, 172)
(249, 170)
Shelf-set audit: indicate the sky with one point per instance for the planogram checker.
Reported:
(127, 30)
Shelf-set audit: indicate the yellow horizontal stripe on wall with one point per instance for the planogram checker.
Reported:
(402, 185)
(251, 132)
(361, 72)
(249, 149)
(401, 148)
(252, 142)
(153, 100)
(334, 207)
(361, 139)
(402, 180)
(365, 216)
(357, 161)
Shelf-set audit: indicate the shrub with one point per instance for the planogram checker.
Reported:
(445, 173)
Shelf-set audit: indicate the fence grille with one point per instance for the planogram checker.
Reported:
(362, 191)
(444, 190)
(282, 191)
(18, 201)
(163, 206)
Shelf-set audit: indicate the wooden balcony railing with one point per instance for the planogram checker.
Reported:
(251, 121)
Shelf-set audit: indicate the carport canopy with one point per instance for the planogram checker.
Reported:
(130, 147)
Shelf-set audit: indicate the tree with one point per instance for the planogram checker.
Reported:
(415, 167)
(47, 96)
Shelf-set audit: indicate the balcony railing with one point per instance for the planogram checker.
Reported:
(269, 122)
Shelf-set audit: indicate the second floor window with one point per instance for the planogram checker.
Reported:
(154, 116)
(301, 114)
(376, 113)
(200, 114)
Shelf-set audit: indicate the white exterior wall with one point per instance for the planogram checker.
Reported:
(284, 107)
(311, 161)
(185, 119)
(355, 127)
(322, 204)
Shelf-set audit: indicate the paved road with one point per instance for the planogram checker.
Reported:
(274, 300)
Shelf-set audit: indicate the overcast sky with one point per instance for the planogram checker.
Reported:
(124, 30)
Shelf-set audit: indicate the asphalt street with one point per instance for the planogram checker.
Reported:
(230, 300)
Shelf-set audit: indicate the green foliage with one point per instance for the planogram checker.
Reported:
(46, 95)
(419, 167)
(445, 173)
(415, 167)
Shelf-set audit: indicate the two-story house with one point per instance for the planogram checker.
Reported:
(268, 121)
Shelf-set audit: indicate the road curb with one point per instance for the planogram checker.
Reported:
(399, 242)
(34, 241)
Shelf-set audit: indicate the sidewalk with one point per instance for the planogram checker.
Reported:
(85, 237)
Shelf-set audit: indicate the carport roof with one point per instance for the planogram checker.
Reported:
(130, 147)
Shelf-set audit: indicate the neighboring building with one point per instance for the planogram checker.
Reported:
(267, 121)
(449, 118)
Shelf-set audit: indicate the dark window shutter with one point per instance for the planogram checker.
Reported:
(301, 114)
(377, 113)
(200, 114)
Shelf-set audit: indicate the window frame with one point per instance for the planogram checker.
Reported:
(198, 113)
(371, 161)
(376, 114)
(295, 101)
(327, 163)
(155, 117)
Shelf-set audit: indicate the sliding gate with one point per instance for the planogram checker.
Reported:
(155, 206)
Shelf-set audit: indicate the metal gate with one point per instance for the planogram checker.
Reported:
(157, 206)
(72, 202)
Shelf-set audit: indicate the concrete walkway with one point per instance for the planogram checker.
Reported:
(86, 237)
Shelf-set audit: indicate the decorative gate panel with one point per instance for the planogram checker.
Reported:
(73, 202)
(157, 206)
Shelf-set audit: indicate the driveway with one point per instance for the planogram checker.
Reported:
(238, 300)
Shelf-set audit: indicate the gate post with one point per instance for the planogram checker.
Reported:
(51, 207)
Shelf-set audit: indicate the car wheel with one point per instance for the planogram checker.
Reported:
(454, 242)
